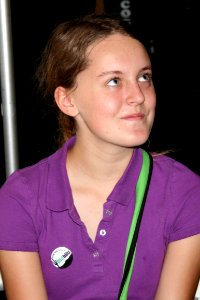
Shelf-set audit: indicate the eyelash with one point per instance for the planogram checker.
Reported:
(144, 76)
(114, 79)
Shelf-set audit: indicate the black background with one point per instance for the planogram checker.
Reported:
(170, 30)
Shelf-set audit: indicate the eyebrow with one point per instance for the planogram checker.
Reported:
(110, 73)
(117, 72)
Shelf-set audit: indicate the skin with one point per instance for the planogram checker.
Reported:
(114, 106)
(21, 273)
(116, 87)
(181, 270)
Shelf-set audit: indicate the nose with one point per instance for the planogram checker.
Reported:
(134, 94)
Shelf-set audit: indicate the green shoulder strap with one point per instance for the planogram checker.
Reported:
(141, 193)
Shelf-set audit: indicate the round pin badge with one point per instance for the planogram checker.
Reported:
(61, 257)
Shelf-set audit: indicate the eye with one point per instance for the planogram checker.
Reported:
(145, 77)
(113, 82)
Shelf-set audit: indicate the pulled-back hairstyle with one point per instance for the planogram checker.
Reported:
(64, 57)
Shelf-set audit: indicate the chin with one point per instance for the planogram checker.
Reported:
(136, 140)
(132, 144)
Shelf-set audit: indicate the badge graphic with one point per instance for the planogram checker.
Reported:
(61, 257)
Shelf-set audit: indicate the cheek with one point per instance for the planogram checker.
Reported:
(98, 102)
(108, 108)
(152, 110)
(151, 101)
(104, 106)
(110, 104)
(151, 107)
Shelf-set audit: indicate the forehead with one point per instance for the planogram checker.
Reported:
(117, 48)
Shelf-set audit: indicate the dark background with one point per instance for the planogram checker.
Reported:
(170, 30)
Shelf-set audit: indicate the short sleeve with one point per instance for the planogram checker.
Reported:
(17, 230)
(185, 199)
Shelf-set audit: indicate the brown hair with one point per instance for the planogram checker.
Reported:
(65, 57)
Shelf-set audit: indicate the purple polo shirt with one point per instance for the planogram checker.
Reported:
(37, 214)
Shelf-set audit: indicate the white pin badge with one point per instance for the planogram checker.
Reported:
(61, 257)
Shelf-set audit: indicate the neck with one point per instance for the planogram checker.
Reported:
(98, 162)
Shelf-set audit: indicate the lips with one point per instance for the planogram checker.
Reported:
(134, 117)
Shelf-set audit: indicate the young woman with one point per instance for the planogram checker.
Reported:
(65, 221)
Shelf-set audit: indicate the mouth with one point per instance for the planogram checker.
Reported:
(134, 117)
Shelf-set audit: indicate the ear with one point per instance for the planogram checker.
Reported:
(64, 100)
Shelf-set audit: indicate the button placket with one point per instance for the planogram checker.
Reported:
(95, 254)
(108, 212)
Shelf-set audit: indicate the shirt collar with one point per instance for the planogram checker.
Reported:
(59, 194)
(125, 188)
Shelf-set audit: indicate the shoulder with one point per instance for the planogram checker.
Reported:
(27, 181)
(175, 171)
(179, 183)
(177, 189)
(23, 203)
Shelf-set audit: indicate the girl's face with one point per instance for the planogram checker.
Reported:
(115, 97)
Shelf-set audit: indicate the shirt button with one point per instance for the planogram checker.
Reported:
(95, 254)
(108, 212)
(102, 232)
